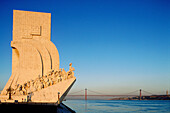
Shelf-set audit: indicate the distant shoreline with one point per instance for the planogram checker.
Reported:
(152, 97)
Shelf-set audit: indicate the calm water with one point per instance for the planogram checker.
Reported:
(119, 106)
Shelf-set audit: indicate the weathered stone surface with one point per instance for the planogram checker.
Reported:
(33, 53)
(50, 94)
(35, 60)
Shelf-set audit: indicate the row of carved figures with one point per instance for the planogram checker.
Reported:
(43, 81)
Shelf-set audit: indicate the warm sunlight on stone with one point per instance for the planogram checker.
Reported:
(36, 75)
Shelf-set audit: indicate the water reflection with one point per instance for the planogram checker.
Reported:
(119, 106)
(85, 105)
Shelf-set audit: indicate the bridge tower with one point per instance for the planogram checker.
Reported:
(140, 94)
(85, 93)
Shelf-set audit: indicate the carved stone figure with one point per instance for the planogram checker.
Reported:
(70, 72)
(32, 88)
(64, 74)
(40, 85)
(50, 81)
(19, 90)
(46, 81)
(24, 89)
(55, 78)
(16, 86)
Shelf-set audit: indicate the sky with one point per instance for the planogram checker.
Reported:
(116, 46)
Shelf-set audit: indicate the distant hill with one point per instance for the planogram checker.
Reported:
(152, 97)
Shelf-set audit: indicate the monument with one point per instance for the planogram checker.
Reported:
(36, 75)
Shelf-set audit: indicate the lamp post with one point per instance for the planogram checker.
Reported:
(58, 97)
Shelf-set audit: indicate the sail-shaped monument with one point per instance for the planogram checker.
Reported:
(36, 74)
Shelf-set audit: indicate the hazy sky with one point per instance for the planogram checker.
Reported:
(116, 46)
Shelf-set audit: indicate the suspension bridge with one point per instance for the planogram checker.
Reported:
(95, 94)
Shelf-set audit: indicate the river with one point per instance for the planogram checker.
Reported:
(119, 106)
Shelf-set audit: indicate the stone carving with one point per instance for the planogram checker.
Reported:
(70, 72)
(33, 52)
(19, 90)
(41, 82)
(35, 61)
(64, 73)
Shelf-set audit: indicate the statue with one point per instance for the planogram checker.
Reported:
(46, 81)
(19, 90)
(24, 89)
(70, 72)
(16, 86)
(64, 74)
(39, 85)
(33, 56)
(50, 82)
(55, 77)
(31, 88)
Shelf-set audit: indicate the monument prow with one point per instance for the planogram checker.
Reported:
(36, 75)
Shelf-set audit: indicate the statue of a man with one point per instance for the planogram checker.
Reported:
(64, 74)
(32, 87)
(70, 72)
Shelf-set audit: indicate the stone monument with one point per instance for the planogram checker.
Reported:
(35, 61)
